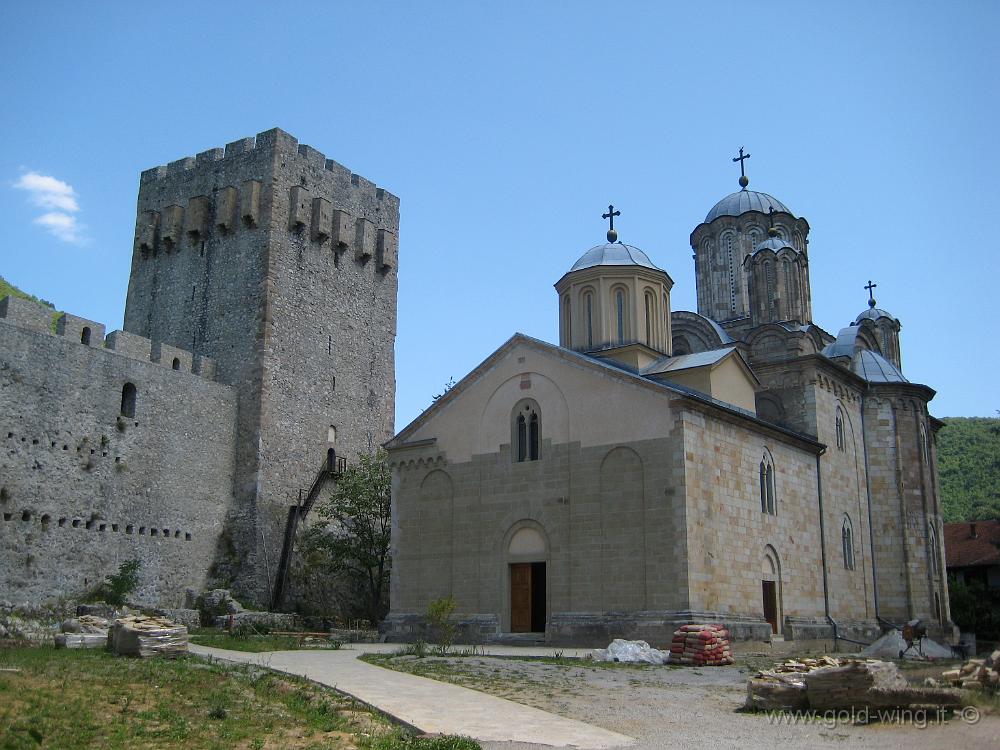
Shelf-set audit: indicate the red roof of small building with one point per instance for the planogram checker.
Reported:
(972, 543)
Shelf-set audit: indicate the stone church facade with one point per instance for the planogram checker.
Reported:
(256, 355)
(735, 464)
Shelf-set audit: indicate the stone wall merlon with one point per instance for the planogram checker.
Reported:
(172, 357)
(26, 314)
(87, 332)
(129, 345)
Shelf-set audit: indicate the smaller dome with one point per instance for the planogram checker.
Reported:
(613, 254)
(743, 201)
(773, 243)
(875, 368)
(874, 313)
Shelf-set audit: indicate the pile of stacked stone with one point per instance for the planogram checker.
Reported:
(142, 635)
(85, 631)
(827, 683)
(976, 674)
(701, 645)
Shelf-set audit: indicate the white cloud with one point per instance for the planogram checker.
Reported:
(63, 226)
(48, 192)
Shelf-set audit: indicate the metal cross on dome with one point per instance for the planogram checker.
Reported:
(869, 287)
(610, 215)
(743, 175)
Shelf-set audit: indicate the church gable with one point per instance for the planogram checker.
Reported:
(573, 398)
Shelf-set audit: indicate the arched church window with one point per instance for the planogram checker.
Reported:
(767, 501)
(568, 321)
(527, 436)
(650, 320)
(620, 315)
(128, 400)
(841, 441)
(932, 549)
(731, 263)
(847, 542)
(588, 313)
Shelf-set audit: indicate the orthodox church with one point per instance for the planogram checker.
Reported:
(737, 464)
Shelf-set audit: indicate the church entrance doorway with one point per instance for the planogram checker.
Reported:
(771, 589)
(527, 597)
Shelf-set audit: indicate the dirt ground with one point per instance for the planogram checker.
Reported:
(690, 707)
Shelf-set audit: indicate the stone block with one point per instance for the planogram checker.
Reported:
(196, 218)
(189, 618)
(171, 226)
(26, 314)
(322, 218)
(364, 240)
(250, 202)
(146, 229)
(387, 248)
(298, 209)
(341, 229)
(87, 332)
(226, 201)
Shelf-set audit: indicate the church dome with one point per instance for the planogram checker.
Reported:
(875, 368)
(613, 254)
(743, 201)
(873, 314)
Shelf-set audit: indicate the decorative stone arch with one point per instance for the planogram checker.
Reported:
(771, 589)
(527, 557)
(770, 408)
(694, 333)
(652, 317)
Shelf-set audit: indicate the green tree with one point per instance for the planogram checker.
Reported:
(354, 531)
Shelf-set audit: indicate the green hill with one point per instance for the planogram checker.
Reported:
(969, 467)
(7, 288)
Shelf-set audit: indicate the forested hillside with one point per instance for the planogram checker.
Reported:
(969, 466)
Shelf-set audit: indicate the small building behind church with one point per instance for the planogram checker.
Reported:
(737, 464)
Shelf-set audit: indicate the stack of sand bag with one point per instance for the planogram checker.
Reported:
(143, 635)
(701, 645)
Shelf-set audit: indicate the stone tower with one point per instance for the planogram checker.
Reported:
(751, 263)
(280, 265)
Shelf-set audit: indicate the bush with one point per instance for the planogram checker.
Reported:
(116, 588)
(439, 614)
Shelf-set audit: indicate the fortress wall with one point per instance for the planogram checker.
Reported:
(83, 488)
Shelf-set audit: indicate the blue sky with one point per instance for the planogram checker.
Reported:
(507, 128)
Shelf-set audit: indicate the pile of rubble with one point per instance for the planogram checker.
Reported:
(85, 631)
(975, 674)
(828, 683)
(631, 652)
(142, 635)
(701, 645)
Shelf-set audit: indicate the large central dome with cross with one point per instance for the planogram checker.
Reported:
(743, 201)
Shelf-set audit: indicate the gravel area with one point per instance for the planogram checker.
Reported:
(681, 707)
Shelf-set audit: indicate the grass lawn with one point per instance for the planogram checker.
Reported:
(70, 699)
(258, 643)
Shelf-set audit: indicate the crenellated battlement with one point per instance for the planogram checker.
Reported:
(26, 314)
(252, 183)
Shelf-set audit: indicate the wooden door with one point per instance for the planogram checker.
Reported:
(770, 604)
(520, 597)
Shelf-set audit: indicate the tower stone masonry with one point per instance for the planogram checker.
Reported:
(264, 267)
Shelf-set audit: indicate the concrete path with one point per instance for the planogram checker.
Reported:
(429, 705)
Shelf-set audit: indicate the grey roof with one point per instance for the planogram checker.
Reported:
(876, 369)
(687, 361)
(724, 337)
(742, 201)
(844, 345)
(613, 254)
(874, 313)
(773, 243)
